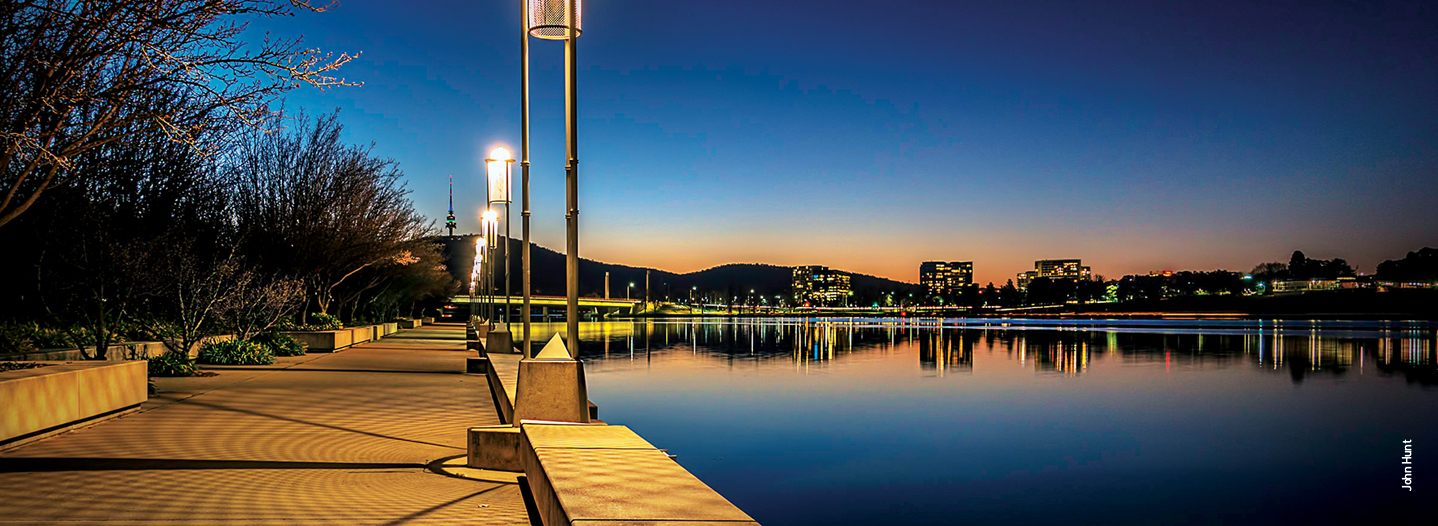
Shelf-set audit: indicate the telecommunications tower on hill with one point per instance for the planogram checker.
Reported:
(449, 221)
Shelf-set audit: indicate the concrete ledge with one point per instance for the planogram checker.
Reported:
(583, 474)
(494, 447)
(324, 341)
(476, 365)
(474, 344)
(36, 400)
(503, 379)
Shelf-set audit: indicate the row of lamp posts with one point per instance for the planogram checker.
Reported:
(547, 20)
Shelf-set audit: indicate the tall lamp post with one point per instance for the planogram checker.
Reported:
(490, 217)
(497, 167)
(561, 20)
(475, 273)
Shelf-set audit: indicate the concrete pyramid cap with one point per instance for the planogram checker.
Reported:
(554, 350)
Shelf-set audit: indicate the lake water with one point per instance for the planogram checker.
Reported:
(1008, 422)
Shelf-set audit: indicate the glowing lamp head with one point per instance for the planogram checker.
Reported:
(490, 216)
(549, 19)
(499, 154)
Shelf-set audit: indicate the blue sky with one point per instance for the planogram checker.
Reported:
(871, 136)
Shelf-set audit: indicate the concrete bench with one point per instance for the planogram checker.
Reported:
(598, 474)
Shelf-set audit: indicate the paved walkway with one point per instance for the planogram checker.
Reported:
(340, 438)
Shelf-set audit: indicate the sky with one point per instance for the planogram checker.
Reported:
(870, 136)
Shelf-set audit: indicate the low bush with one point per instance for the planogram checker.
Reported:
(325, 322)
(318, 322)
(280, 344)
(172, 364)
(235, 352)
(15, 366)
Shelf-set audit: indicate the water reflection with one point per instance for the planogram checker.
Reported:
(946, 347)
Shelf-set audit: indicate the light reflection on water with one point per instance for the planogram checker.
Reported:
(985, 422)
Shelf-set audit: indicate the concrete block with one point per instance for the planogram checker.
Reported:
(473, 344)
(498, 341)
(324, 341)
(63, 394)
(360, 334)
(429, 320)
(476, 365)
(409, 324)
(640, 485)
(551, 387)
(494, 447)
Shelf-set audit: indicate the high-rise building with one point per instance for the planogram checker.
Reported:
(945, 278)
(820, 286)
(1055, 269)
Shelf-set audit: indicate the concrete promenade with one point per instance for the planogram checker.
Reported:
(356, 437)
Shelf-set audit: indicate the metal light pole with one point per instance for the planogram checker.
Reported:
(560, 20)
(490, 219)
(524, 162)
(497, 167)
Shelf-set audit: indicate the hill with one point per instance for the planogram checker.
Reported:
(547, 276)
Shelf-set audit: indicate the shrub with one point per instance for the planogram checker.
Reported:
(280, 344)
(235, 352)
(325, 322)
(172, 364)
(15, 366)
(318, 322)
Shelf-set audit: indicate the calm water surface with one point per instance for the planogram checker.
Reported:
(988, 422)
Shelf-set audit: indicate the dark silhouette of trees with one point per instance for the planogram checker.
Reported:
(82, 75)
(1301, 267)
(1416, 266)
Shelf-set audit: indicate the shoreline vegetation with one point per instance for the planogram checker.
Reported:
(1325, 305)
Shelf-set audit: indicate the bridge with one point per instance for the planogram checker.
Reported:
(544, 306)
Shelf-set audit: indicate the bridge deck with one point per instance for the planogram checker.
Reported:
(339, 438)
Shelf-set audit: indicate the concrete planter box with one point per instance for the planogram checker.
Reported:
(324, 341)
(391, 328)
(360, 335)
(410, 324)
(51, 398)
(429, 320)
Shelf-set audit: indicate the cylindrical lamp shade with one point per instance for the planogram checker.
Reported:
(498, 172)
(549, 19)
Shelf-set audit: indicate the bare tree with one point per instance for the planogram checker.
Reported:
(310, 206)
(255, 303)
(82, 74)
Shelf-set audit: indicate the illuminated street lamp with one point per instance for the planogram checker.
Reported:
(497, 168)
(558, 20)
(475, 273)
(626, 291)
(488, 223)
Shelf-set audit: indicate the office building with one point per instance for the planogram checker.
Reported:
(820, 286)
(943, 278)
(1055, 269)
